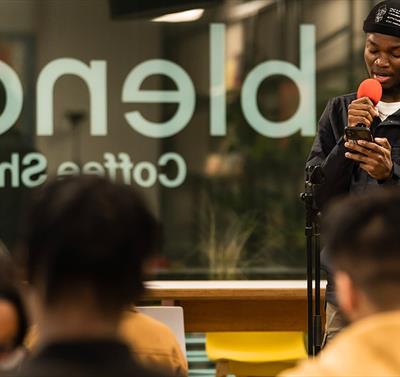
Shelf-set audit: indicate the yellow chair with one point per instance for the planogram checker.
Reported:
(254, 353)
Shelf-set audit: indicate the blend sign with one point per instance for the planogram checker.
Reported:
(94, 75)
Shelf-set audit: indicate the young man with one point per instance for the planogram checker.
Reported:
(85, 243)
(363, 166)
(362, 235)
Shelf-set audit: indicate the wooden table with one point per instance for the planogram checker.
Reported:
(266, 305)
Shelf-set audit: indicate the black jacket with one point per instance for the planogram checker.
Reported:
(85, 358)
(343, 176)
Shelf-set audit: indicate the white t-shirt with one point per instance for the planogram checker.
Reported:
(387, 108)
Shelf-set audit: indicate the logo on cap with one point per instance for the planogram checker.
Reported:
(380, 13)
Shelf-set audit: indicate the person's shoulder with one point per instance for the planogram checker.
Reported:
(60, 368)
(152, 342)
(307, 368)
(81, 358)
(136, 325)
(343, 100)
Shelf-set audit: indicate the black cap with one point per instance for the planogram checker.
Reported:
(384, 18)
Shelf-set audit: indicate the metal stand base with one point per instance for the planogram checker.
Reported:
(314, 176)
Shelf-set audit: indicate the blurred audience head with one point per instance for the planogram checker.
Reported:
(362, 236)
(13, 318)
(84, 244)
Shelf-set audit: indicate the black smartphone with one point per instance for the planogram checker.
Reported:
(358, 133)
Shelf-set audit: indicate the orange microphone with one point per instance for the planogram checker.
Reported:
(372, 89)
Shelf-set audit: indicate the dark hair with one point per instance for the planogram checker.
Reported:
(10, 291)
(362, 236)
(89, 232)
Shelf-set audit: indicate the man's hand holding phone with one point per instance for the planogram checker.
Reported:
(374, 156)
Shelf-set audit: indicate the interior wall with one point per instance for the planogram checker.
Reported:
(24, 22)
(83, 30)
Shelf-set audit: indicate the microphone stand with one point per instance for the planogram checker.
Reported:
(314, 176)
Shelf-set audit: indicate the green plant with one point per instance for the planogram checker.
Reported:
(224, 240)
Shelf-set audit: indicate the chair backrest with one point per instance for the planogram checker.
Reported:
(256, 347)
(172, 317)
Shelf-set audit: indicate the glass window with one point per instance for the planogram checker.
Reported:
(211, 115)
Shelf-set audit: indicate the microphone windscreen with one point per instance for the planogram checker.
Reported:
(372, 89)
